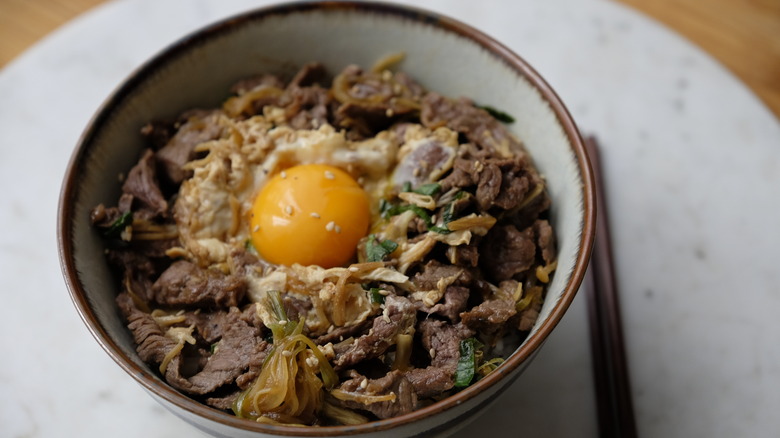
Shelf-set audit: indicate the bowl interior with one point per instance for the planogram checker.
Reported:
(441, 54)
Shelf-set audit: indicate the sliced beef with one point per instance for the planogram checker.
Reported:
(442, 341)
(150, 341)
(454, 302)
(490, 316)
(393, 382)
(158, 133)
(464, 255)
(308, 75)
(371, 102)
(296, 308)
(307, 107)
(529, 316)
(430, 381)
(515, 182)
(138, 270)
(505, 251)
(434, 271)
(240, 348)
(209, 325)
(399, 317)
(142, 184)
(186, 284)
(225, 402)
(545, 238)
(500, 182)
(199, 127)
(475, 123)
(341, 333)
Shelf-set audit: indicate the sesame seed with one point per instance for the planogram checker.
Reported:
(386, 318)
(389, 112)
(257, 228)
(330, 226)
(384, 292)
(353, 269)
(315, 215)
(286, 353)
(364, 383)
(282, 321)
(432, 352)
(338, 229)
(288, 209)
(329, 175)
(283, 174)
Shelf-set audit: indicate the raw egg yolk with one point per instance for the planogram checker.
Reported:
(311, 214)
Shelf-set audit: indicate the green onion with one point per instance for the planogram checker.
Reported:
(428, 189)
(467, 363)
(498, 114)
(407, 187)
(375, 296)
(376, 251)
(250, 246)
(116, 228)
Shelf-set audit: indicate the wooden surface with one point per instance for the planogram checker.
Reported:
(743, 34)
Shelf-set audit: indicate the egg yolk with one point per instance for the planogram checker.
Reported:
(311, 214)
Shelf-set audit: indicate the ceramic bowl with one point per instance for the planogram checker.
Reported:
(443, 54)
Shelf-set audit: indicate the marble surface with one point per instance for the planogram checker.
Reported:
(692, 164)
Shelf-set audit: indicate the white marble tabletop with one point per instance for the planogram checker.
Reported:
(692, 164)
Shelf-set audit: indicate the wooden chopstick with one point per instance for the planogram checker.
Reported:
(610, 371)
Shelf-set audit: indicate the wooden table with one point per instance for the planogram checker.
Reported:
(743, 34)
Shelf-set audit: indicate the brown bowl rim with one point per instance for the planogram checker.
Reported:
(166, 392)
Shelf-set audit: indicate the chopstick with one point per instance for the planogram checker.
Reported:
(610, 371)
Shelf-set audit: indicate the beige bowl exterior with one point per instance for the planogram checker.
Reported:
(444, 55)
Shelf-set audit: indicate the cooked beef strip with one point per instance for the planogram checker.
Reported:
(515, 182)
(455, 301)
(545, 239)
(151, 344)
(200, 126)
(475, 123)
(376, 105)
(399, 317)
(490, 315)
(528, 316)
(393, 382)
(505, 251)
(158, 133)
(466, 255)
(138, 270)
(307, 107)
(430, 381)
(186, 284)
(308, 75)
(224, 403)
(209, 325)
(434, 271)
(240, 348)
(341, 333)
(443, 340)
(142, 183)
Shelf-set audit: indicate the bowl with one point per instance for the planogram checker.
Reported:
(443, 54)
